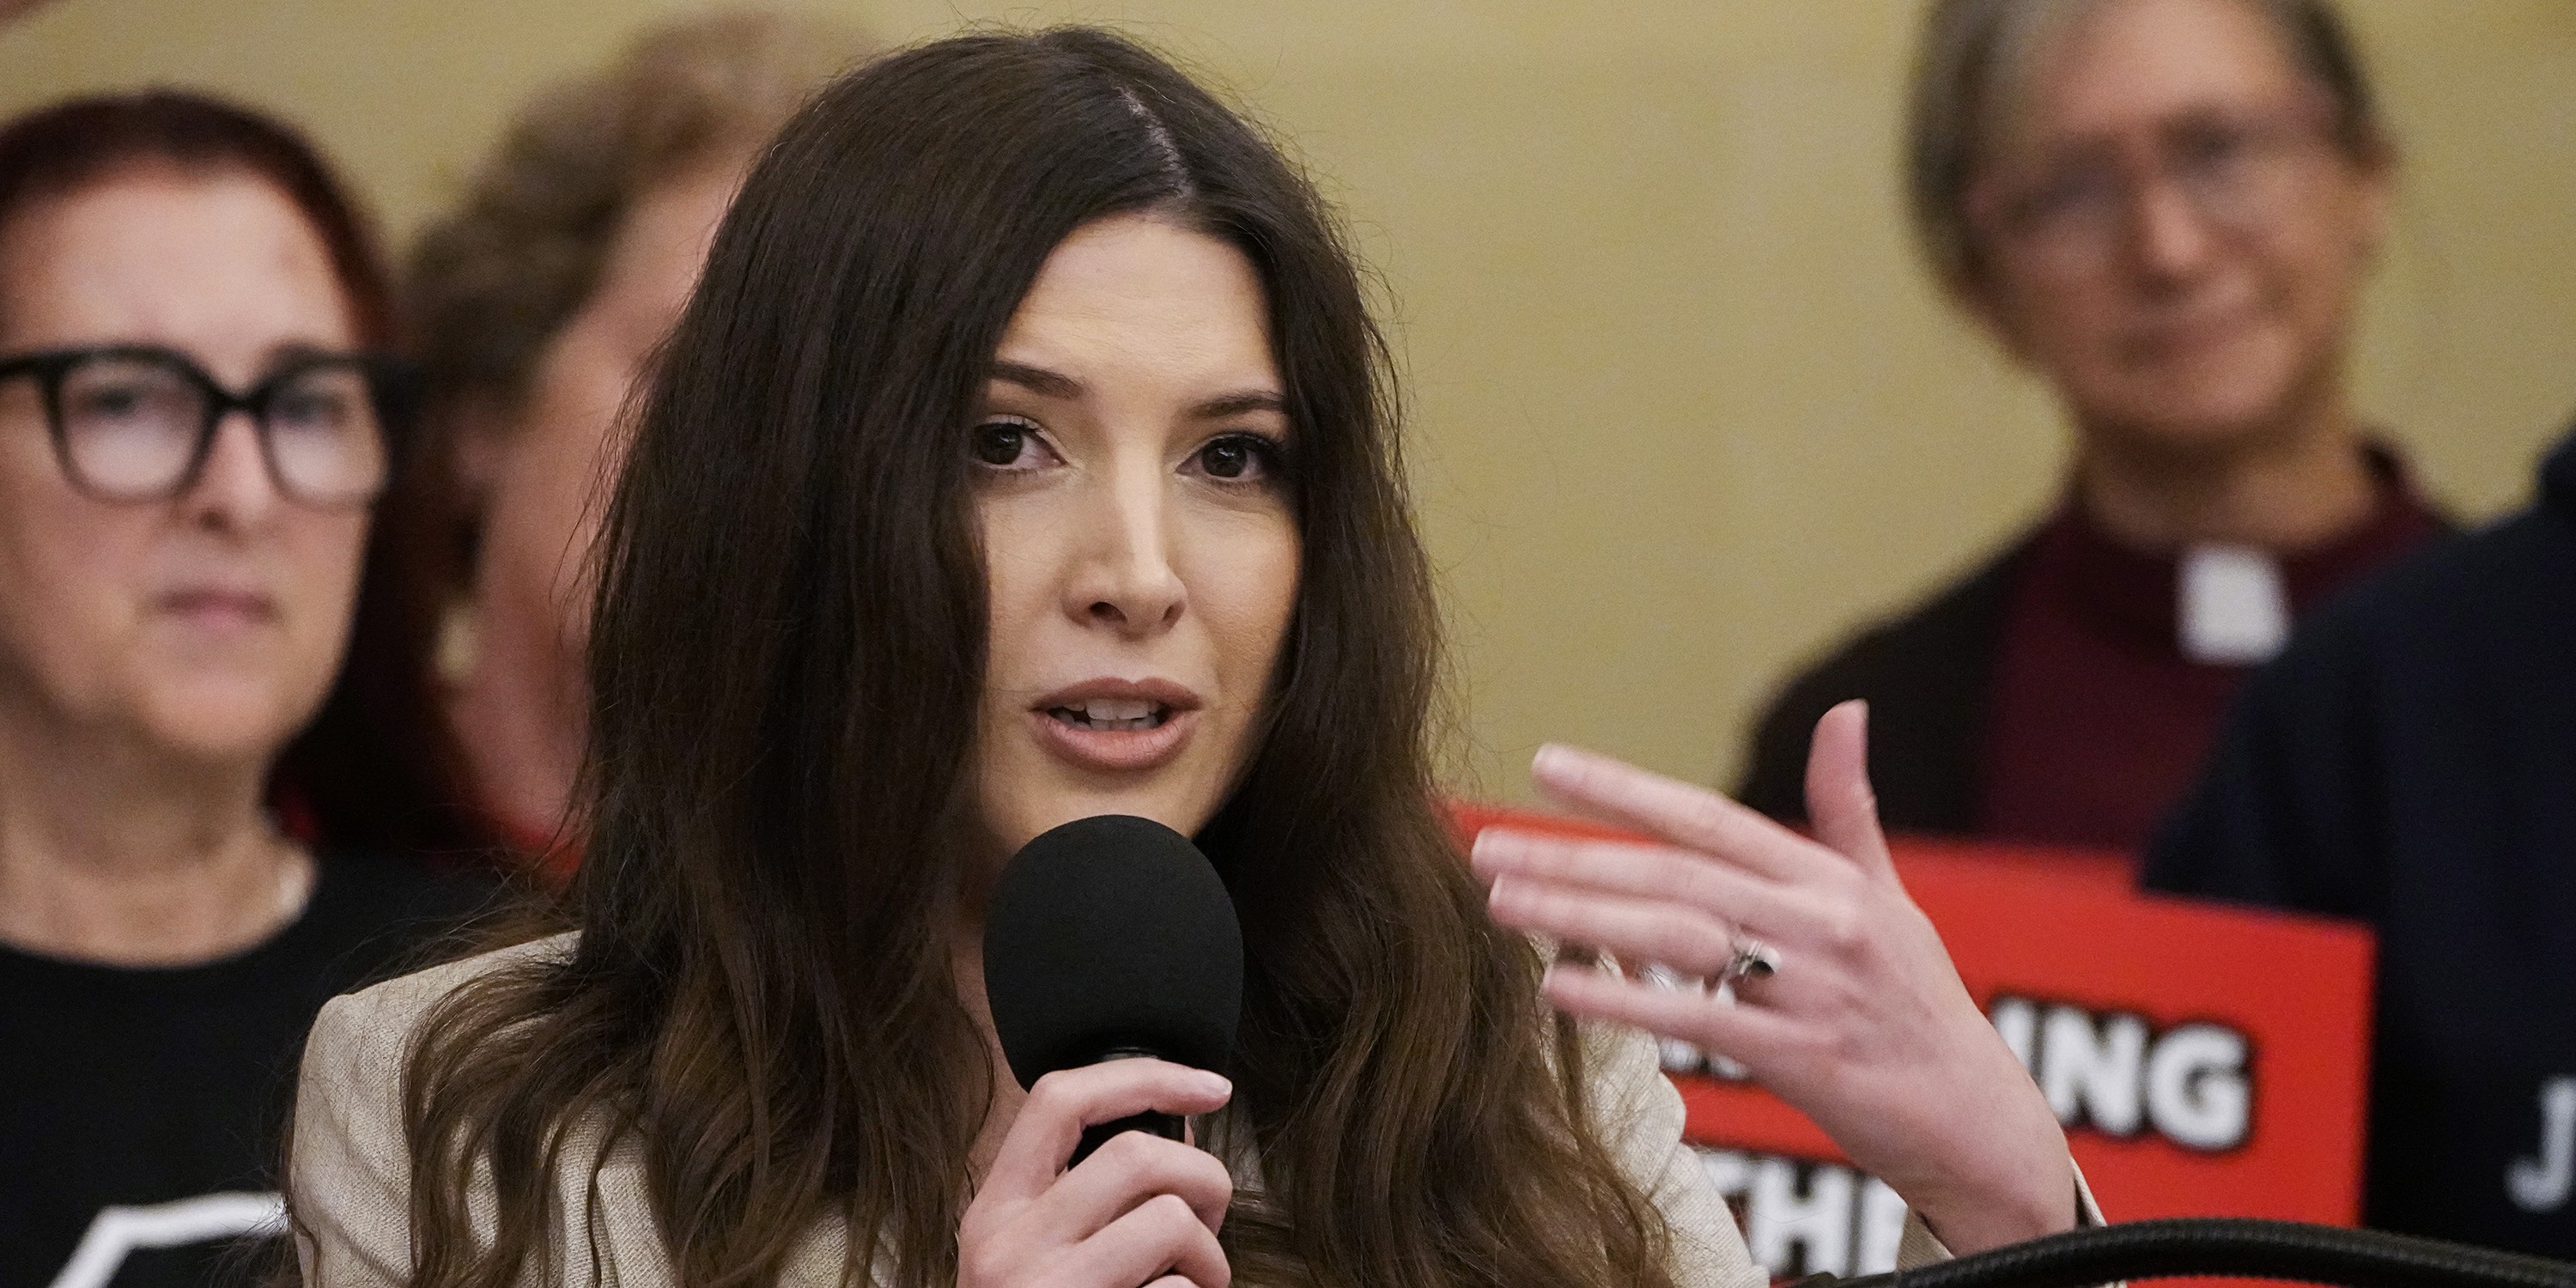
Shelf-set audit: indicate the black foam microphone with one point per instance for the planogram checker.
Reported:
(1110, 937)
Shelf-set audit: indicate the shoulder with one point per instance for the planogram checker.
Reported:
(397, 1006)
(1638, 1115)
(2379, 723)
(2461, 607)
(1631, 1103)
(1926, 672)
(2451, 588)
(1895, 651)
(349, 1166)
(362, 1041)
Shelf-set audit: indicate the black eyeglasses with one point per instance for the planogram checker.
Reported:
(136, 422)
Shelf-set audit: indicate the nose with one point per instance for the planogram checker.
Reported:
(2169, 236)
(1124, 579)
(233, 490)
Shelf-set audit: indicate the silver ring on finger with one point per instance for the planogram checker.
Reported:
(1749, 958)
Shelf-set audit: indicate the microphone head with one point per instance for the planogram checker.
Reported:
(1111, 934)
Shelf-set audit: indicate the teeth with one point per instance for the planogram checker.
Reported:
(1112, 713)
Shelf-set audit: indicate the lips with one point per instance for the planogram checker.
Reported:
(2200, 325)
(220, 606)
(2192, 337)
(1116, 726)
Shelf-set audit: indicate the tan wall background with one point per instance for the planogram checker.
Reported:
(1683, 406)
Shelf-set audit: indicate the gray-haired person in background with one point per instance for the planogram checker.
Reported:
(537, 302)
(2165, 209)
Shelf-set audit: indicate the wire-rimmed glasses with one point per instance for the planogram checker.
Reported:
(2237, 169)
(137, 422)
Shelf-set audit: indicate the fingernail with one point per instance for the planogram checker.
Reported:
(1215, 1084)
(1551, 756)
(1493, 843)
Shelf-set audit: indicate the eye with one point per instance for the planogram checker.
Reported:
(1012, 445)
(313, 407)
(124, 395)
(2212, 146)
(1238, 458)
(2068, 190)
(111, 400)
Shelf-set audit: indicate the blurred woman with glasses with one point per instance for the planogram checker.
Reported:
(208, 824)
(2165, 209)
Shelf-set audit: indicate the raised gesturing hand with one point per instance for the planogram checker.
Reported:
(1860, 1021)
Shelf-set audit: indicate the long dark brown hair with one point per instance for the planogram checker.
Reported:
(788, 651)
(373, 770)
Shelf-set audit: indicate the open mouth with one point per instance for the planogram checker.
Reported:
(1112, 715)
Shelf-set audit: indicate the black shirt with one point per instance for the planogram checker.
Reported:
(2411, 760)
(142, 1106)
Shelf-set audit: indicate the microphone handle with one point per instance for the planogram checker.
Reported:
(2231, 1246)
(1167, 1126)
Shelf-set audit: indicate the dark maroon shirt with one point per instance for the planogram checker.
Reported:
(2098, 719)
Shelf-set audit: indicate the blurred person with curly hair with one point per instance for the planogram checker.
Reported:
(536, 303)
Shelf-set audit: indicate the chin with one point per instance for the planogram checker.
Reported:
(1019, 817)
(2206, 410)
(227, 725)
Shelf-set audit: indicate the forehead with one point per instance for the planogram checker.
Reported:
(218, 264)
(1139, 293)
(2120, 64)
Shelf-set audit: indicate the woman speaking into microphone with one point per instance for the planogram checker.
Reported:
(1027, 454)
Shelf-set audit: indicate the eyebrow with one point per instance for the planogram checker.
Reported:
(304, 347)
(1053, 384)
(1037, 380)
(1250, 400)
(288, 351)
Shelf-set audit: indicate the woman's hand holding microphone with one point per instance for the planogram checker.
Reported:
(1140, 1210)
(1844, 1002)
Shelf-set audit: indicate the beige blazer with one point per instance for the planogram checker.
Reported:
(349, 1176)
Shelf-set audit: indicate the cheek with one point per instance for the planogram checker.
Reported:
(324, 560)
(570, 418)
(2319, 265)
(570, 421)
(2045, 321)
(1248, 591)
(584, 373)
(70, 568)
(1020, 589)
(545, 509)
